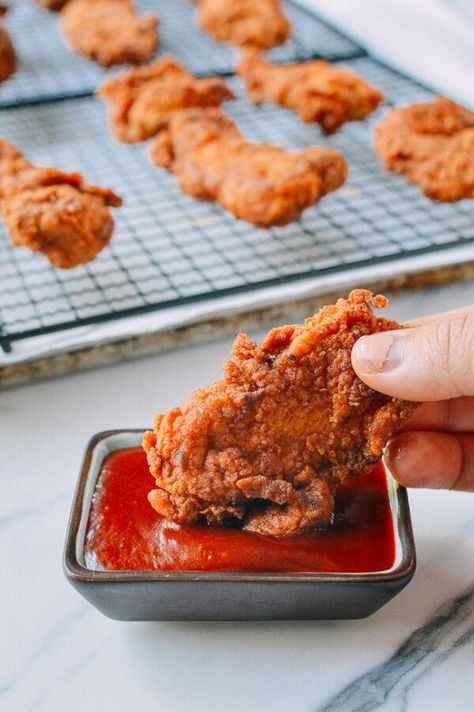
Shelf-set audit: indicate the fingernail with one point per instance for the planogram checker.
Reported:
(378, 353)
(395, 457)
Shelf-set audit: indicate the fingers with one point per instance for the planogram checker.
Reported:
(433, 460)
(455, 415)
(429, 362)
(433, 317)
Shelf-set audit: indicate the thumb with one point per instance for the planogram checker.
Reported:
(430, 362)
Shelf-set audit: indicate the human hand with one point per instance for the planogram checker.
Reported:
(432, 362)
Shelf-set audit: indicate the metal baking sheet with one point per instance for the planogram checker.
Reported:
(170, 249)
(49, 69)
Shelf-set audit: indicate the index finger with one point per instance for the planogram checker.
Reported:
(455, 415)
(438, 317)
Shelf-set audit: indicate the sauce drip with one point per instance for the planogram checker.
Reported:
(125, 533)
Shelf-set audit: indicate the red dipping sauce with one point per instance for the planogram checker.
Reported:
(125, 533)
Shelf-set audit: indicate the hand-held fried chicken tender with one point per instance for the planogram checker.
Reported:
(319, 92)
(432, 145)
(269, 442)
(109, 31)
(143, 100)
(262, 184)
(53, 212)
(253, 23)
(7, 51)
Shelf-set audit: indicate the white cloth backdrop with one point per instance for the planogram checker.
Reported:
(430, 40)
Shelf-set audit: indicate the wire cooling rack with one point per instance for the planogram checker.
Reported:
(170, 249)
(49, 69)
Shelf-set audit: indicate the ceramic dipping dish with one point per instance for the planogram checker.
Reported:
(206, 595)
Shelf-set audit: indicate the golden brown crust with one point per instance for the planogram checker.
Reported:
(144, 99)
(53, 212)
(251, 23)
(270, 441)
(262, 184)
(109, 31)
(67, 226)
(319, 92)
(432, 145)
(7, 54)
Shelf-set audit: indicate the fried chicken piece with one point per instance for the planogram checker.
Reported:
(269, 443)
(143, 100)
(319, 92)
(262, 184)
(53, 212)
(7, 51)
(110, 31)
(432, 145)
(254, 23)
(52, 5)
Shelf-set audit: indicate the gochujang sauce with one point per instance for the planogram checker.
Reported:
(125, 533)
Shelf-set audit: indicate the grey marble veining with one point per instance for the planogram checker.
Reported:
(451, 627)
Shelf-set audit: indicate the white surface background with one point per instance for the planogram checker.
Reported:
(58, 653)
(430, 40)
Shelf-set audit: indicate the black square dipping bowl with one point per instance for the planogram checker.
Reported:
(165, 595)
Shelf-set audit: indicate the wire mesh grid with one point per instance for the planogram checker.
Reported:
(170, 249)
(49, 69)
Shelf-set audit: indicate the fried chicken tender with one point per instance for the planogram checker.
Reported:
(109, 31)
(143, 100)
(7, 51)
(53, 212)
(319, 92)
(262, 184)
(432, 145)
(269, 443)
(254, 23)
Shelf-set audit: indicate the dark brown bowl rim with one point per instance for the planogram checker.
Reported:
(76, 571)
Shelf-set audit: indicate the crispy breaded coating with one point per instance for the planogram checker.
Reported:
(52, 5)
(432, 145)
(251, 23)
(68, 226)
(110, 31)
(269, 442)
(143, 99)
(53, 212)
(262, 184)
(319, 92)
(7, 51)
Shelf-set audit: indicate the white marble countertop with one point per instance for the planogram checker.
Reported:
(57, 653)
